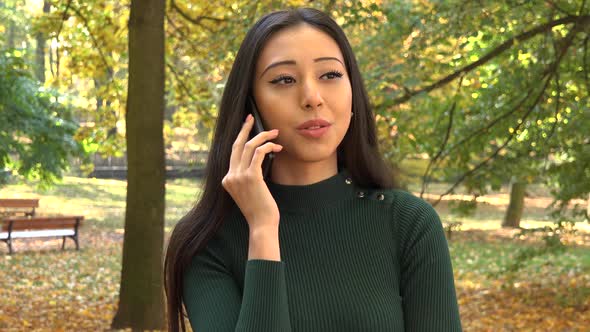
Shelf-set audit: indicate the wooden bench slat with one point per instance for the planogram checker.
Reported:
(19, 203)
(24, 223)
(46, 233)
(44, 218)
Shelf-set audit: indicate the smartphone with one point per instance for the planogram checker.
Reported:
(258, 128)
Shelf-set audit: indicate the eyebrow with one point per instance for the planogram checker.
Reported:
(292, 62)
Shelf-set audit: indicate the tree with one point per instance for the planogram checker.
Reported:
(141, 304)
(36, 132)
(483, 90)
(87, 47)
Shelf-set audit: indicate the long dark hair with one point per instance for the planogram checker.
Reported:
(358, 152)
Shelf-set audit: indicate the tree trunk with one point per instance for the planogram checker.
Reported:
(40, 52)
(141, 300)
(516, 205)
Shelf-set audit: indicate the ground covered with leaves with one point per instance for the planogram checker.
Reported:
(46, 289)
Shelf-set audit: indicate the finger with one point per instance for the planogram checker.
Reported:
(254, 143)
(238, 145)
(260, 152)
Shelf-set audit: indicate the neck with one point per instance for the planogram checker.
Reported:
(287, 171)
(316, 196)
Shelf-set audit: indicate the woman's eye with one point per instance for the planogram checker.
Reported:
(288, 79)
(285, 79)
(333, 74)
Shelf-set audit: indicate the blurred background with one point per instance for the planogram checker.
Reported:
(481, 107)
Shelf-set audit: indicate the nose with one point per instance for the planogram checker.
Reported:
(312, 99)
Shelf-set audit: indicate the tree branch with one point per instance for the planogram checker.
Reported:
(63, 18)
(181, 33)
(181, 81)
(183, 36)
(195, 20)
(497, 151)
(109, 68)
(557, 99)
(549, 71)
(445, 140)
(581, 20)
(486, 128)
(178, 76)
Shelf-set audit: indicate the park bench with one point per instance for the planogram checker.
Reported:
(18, 206)
(45, 226)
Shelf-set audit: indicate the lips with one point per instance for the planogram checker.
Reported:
(314, 128)
(314, 124)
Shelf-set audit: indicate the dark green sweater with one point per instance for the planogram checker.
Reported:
(353, 259)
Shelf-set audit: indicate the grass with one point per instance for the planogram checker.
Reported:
(479, 259)
(44, 288)
(103, 200)
(42, 284)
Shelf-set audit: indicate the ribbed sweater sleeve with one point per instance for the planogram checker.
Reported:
(214, 302)
(427, 284)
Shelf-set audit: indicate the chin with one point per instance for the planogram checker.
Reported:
(315, 155)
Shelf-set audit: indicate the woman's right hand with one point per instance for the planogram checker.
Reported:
(244, 181)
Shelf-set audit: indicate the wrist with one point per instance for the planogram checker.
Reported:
(264, 244)
(263, 232)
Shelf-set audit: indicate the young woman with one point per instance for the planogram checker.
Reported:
(324, 243)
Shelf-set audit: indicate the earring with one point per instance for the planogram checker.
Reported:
(351, 113)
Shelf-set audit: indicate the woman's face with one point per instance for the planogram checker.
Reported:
(312, 85)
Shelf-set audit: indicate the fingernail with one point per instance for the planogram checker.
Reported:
(248, 117)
